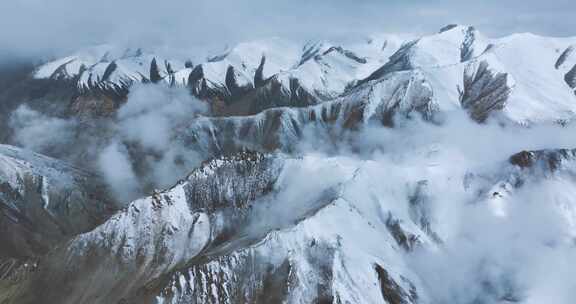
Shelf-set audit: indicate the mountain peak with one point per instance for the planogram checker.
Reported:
(456, 27)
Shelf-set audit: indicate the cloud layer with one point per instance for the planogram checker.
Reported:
(42, 26)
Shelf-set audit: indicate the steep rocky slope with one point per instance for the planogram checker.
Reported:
(44, 202)
(245, 79)
(217, 237)
(248, 228)
(528, 75)
(403, 94)
(381, 173)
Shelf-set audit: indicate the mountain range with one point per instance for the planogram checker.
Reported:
(385, 169)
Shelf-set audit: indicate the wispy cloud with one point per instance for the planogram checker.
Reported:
(40, 26)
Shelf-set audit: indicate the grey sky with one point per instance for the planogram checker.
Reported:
(40, 26)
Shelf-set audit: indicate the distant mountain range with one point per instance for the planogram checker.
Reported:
(317, 173)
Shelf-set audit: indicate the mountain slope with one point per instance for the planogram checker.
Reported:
(535, 82)
(217, 237)
(250, 74)
(377, 171)
(532, 88)
(43, 203)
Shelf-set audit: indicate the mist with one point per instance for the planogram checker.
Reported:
(517, 247)
(48, 28)
(135, 150)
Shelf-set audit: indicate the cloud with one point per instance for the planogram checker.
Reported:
(487, 254)
(521, 250)
(38, 132)
(136, 150)
(48, 26)
(116, 167)
(147, 123)
(515, 250)
(487, 257)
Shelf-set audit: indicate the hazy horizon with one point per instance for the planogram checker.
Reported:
(39, 27)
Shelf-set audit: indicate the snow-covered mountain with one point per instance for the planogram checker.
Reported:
(44, 202)
(388, 169)
(531, 75)
(258, 70)
(254, 228)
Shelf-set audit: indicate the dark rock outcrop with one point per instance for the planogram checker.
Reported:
(152, 237)
(564, 56)
(44, 202)
(155, 76)
(570, 77)
(399, 61)
(448, 27)
(109, 70)
(347, 53)
(466, 49)
(484, 91)
(544, 160)
(392, 292)
(235, 90)
(259, 75)
(397, 96)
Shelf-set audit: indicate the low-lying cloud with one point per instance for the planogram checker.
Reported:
(134, 150)
(517, 249)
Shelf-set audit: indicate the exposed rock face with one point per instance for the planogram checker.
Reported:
(210, 239)
(310, 50)
(564, 56)
(433, 51)
(392, 292)
(97, 104)
(543, 160)
(154, 235)
(347, 53)
(401, 94)
(155, 76)
(251, 276)
(400, 61)
(566, 63)
(322, 74)
(523, 159)
(235, 89)
(570, 77)
(467, 47)
(234, 231)
(242, 277)
(259, 76)
(253, 227)
(252, 77)
(233, 81)
(448, 27)
(271, 93)
(527, 169)
(230, 89)
(484, 92)
(196, 81)
(111, 68)
(61, 73)
(44, 202)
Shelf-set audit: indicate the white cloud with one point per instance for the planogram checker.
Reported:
(46, 26)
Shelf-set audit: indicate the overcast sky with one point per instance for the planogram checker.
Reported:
(41, 26)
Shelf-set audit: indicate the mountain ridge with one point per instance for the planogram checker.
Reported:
(438, 169)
